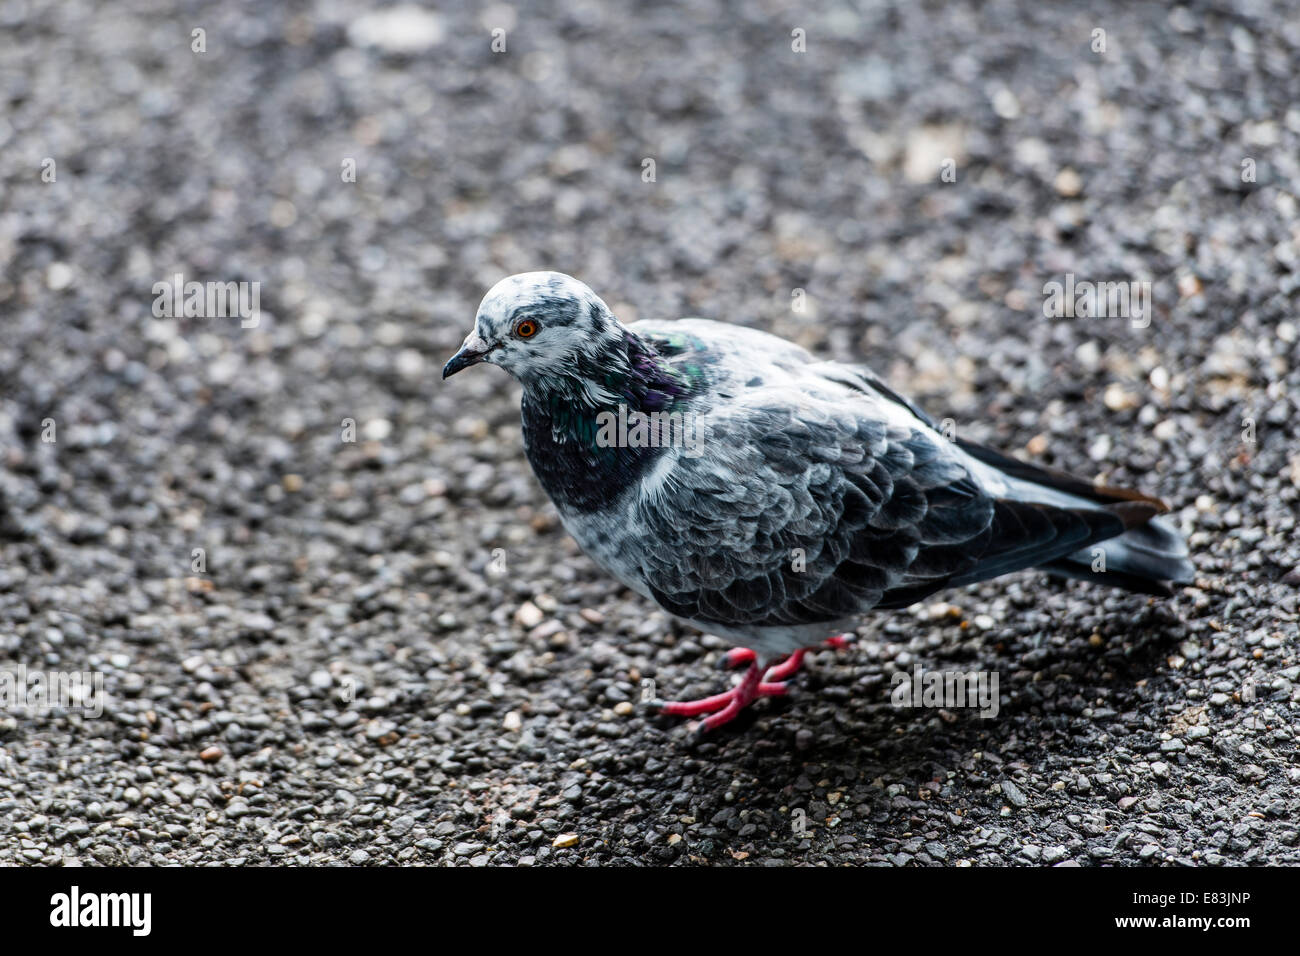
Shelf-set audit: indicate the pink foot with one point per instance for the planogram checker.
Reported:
(737, 656)
(725, 707)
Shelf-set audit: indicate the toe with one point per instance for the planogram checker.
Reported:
(738, 656)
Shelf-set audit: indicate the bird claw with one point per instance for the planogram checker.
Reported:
(736, 657)
(841, 641)
(758, 682)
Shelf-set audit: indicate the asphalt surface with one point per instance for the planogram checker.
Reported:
(391, 652)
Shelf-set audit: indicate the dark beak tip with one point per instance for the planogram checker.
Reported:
(461, 360)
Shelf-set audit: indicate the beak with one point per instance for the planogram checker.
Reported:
(471, 353)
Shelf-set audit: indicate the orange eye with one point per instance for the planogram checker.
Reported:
(526, 329)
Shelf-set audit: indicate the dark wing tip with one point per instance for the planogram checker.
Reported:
(1137, 512)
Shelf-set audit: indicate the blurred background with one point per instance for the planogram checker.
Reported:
(344, 677)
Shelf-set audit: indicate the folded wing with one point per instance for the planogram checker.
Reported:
(806, 510)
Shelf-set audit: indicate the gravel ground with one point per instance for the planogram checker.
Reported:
(393, 653)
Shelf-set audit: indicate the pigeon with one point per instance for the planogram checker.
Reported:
(773, 498)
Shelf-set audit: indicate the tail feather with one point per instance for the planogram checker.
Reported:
(1148, 557)
(1056, 479)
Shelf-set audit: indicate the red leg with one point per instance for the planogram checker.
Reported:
(693, 708)
(742, 695)
(839, 641)
(737, 656)
(757, 682)
(787, 667)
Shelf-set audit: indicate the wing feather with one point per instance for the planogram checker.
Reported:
(803, 511)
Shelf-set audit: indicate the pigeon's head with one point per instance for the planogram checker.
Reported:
(536, 325)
